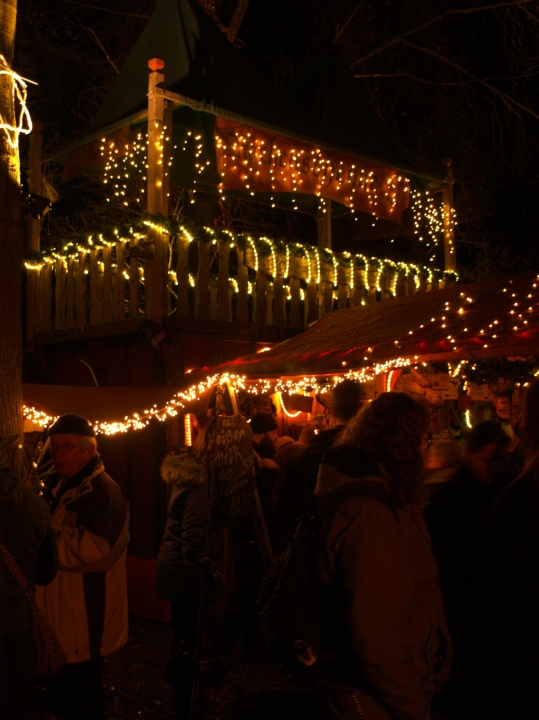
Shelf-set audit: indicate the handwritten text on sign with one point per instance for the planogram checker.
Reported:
(254, 160)
(230, 455)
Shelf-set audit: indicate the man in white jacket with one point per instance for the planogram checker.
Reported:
(86, 604)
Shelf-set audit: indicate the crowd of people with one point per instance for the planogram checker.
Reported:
(429, 574)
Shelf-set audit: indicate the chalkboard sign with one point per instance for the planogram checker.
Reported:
(229, 443)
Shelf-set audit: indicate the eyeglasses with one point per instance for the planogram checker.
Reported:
(65, 447)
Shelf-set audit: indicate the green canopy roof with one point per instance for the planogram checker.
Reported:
(201, 64)
(323, 104)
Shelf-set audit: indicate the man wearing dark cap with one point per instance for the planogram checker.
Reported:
(86, 604)
(264, 427)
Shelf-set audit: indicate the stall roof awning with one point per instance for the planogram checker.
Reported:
(491, 318)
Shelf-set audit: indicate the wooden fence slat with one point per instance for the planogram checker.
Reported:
(59, 294)
(313, 312)
(260, 298)
(295, 312)
(46, 297)
(107, 284)
(118, 309)
(203, 281)
(133, 288)
(242, 311)
(70, 293)
(270, 299)
(279, 302)
(182, 276)
(326, 297)
(94, 286)
(32, 284)
(81, 291)
(214, 293)
(223, 310)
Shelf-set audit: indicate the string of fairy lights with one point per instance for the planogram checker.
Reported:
(370, 269)
(244, 154)
(513, 318)
(18, 104)
(126, 170)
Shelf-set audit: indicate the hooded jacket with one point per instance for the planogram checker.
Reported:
(86, 603)
(184, 541)
(26, 531)
(386, 617)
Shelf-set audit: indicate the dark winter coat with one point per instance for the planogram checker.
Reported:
(183, 546)
(27, 532)
(509, 604)
(387, 619)
(456, 511)
(297, 480)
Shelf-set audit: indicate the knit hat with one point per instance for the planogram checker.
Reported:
(72, 424)
(263, 423)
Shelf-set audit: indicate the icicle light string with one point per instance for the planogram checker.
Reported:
(261, 246)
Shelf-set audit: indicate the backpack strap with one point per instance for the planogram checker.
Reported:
(328, 504)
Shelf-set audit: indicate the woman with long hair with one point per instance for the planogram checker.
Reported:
(388, 642)
(509, 588)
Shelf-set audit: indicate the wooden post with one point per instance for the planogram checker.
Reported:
(323, 219)
(34, 228)
(449, 225)
(155, 266)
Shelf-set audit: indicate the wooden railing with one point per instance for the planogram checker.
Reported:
(211, 281)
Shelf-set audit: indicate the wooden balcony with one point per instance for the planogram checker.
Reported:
(211, 281)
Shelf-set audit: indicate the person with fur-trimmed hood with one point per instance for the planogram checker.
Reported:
(180, 564)
(86, 603)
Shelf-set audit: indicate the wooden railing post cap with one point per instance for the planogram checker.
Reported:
(156, 64)
(37, 126)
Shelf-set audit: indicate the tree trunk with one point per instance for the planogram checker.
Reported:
(10, 245)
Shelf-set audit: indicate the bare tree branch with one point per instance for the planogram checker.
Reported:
(237, 18)
(508, 99)
(533, 17)
(455, 11)
(104, 9)
(98, 41)
(354, 11)
(409, 75)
